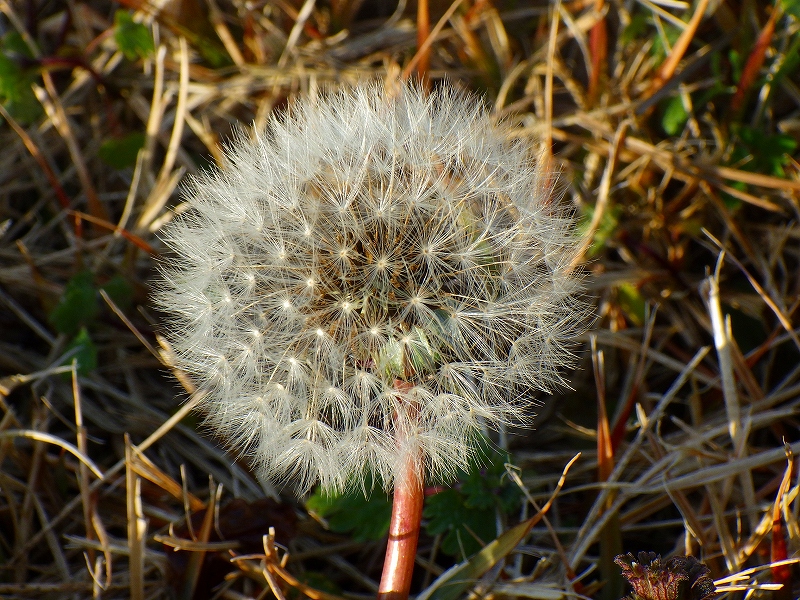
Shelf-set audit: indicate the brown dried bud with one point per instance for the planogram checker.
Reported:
(677, 578)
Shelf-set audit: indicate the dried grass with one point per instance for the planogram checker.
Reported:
(695, 267)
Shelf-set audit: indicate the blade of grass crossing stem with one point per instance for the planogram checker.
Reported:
(577, 585)
(454, 583)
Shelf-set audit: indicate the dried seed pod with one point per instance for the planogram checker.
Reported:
(677, 578)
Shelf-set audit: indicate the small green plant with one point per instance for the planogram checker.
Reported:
(467, 514)
(77, 306)
(76, 311)
(16, 94)
(121, 152)
(674, 116)
(365, 517)
(761, 152)
(133, 39)
(606, 229)
(82, 350)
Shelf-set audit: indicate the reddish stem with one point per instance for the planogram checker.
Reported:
(403, 535)
(401, 549)
(423, 31)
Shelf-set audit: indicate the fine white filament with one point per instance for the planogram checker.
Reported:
(375, 277)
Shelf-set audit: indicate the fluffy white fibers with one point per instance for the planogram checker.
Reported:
(373, 279)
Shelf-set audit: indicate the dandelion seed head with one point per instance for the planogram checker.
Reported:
(365, 239)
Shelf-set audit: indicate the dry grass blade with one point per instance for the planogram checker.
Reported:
(58, 116)
(137, 526)
(594, 521)
(755, 61)
(430, 39)
(778, 550)
(679, 49)
(456, 581)
(191, 576)
(725, 359)
(271, 569)
(41, 436)
(779, 313)
(83, 472)
(134, 239)
(34, 150)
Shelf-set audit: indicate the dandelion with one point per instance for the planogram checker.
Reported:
(367, 284)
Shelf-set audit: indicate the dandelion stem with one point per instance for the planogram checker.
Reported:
(403, 535)
(401, 549)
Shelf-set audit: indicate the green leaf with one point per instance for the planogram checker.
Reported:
(737, 64)
(133, 39)
(77, 306)
(448, 514)
(14, 43)
(605, 229)
(632, 303)
(366, 518)
(119, 290)
(16, 94)
(635, 29)
(216, 56)
(791, 7)
(675, 116)
(671, 33)
(732, 203)
(121, 153)
(469, 509)
(82, 350)
(760, 152)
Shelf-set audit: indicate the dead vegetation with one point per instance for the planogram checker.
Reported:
(675, 127)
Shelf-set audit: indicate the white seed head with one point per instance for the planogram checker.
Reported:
(376, 276)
